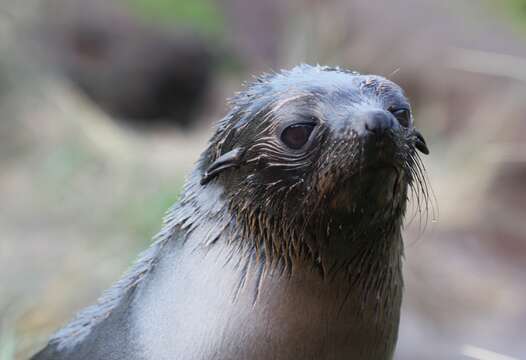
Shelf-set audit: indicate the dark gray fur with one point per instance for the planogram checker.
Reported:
(297, 254)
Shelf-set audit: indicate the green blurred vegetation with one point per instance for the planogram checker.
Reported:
(142, 215)
(7, 342)
(513, 9)
(201, 15)
(68, 174)
(518, 7)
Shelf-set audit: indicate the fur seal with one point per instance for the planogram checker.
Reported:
(286, 243)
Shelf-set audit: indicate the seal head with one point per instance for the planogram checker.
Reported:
(314, 148)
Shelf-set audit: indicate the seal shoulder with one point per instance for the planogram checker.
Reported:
(86, 320)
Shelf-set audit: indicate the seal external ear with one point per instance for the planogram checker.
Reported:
(420, 143)
(225, 161)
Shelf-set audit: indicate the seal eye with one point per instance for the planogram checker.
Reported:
(297, 135)
(402, 115)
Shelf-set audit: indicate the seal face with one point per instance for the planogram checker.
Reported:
(317, 147)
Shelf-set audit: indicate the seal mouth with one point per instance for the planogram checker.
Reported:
(379, 149)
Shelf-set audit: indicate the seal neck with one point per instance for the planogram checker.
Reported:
(331, 242)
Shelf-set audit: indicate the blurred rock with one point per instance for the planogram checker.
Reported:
(142, 74)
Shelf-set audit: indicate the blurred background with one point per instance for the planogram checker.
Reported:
(105, 105)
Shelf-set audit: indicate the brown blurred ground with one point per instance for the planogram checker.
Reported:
(81, 195)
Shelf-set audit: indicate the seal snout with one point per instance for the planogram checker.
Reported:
(377, 130)
(378, 122)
